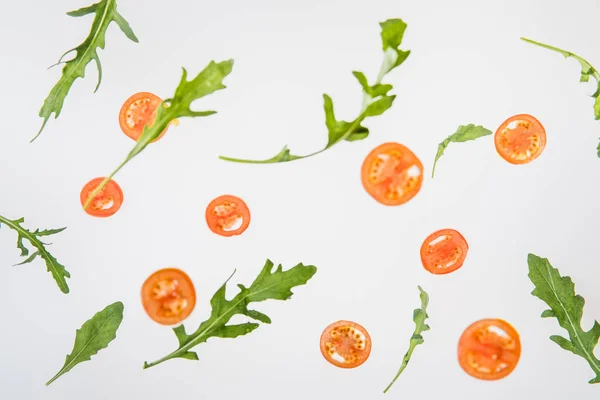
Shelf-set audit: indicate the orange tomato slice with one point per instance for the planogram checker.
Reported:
(227, 215)
(520, 139)
(392, 174)
(108, 200)
(168, 296)
(444, 251)
(345, 344)
(138, 111)
(489, 349)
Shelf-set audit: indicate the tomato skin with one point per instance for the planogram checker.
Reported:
(392, 174)
(111, 195)
(136, 112)
(223, 212)
(165, 290)
(451, 250)
(485, 354)
(521, 144)
(338, 338)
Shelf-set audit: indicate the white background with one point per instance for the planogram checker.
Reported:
(467, 66)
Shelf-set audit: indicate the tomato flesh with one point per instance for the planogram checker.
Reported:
(227, 215)
(392, 174)
(520, 139)
(444, 251)
(108, 200)
(345, 344)
(489, 349)
(168, 296)
(138, 111)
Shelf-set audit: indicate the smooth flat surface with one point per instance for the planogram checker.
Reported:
(467, 66)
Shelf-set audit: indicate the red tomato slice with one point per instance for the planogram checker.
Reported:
(392, 174)
(444, 251)
(108, 200)
(345, 344)
(138, 111)
(227, 215)
(489, 349)
(168, 296)
(520, 139)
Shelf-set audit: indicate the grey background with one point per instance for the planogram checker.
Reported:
(467, 66)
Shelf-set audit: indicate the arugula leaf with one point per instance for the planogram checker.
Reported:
(105, 12)
(208, 81)
(587, 71)
(94, 335)
(419, 316)
(375, 102)
(59, 272)
(267, 285)
(567, 307)
(462, 134)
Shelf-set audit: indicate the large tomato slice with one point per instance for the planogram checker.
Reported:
(392, 174)
(520, 139)
(108, 200)
(345, 344)
(168, 296)
(227, 215)
(138, 111)
(489, 349)
(444, 251)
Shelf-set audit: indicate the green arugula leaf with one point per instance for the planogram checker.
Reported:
(267, 285)
(558, 292)
(587, 71)
(105, 12)
(94, 335)
(59, 272)
(208, 81)
(463, 133)
(376, 100)
(419, 317)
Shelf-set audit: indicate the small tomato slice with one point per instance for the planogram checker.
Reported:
(520, 139)
(345, 344)
(444, 251)
(489, 349)
(227, 215)
(392, 174)
(108, 200)
(138, 111)
(168, 296)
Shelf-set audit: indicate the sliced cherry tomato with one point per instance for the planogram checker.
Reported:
(168, 296)
(138, 111)
(444, 251)
(489, 349)
(108, 200)
(345, 344)
(520, 139)
(392, 174)
(227, 215)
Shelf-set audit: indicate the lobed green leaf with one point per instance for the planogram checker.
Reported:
(558, 292)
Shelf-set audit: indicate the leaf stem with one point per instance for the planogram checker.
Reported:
(402, 367)
(103, 183)
(566, 53)
(366, 101)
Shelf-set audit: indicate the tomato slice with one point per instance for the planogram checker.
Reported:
(520, 139)
(444, 251)
(392, 174)
(108, 200)
(489, 349)
(227, 215)
(345, 344)
(168, 296)
(138, 111)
